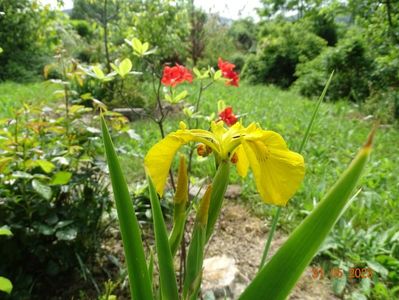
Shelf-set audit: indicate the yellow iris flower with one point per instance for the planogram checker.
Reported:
(278, 172)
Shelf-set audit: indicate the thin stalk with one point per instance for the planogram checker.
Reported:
(301, 147)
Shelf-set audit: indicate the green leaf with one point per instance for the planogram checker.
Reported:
(5, 285)
(4, 161)
(61, 178)
(297, 252)
(220, 182)
(137, 46)
(197, 72)
(140, 283)
(180, 97)
(195, 256)
(378, 268)
(145, 47)
(125, 67)
(67, 234)
(1, 50)
(42, 189)
(165, 260)
(45, 165)
(5, 231)
(99, 74)
(217, 75)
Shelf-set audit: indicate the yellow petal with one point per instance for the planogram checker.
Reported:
(158, 160)
(278, 171)
(242, 163)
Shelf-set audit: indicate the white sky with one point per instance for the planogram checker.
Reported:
(232, 9)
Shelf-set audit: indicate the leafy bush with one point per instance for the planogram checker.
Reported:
(352, 65)
(383, 104)
(281, 47)
(25, 38)
(324, 26)
(53, 194)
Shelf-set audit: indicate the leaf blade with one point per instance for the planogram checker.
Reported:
(165, 259)
(140, 283)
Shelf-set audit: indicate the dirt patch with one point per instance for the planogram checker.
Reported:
(242, 236)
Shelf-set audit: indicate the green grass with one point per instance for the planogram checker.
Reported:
(13, 95)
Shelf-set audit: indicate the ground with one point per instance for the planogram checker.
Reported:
(241, 235)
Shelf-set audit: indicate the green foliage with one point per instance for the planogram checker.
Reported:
(352, 64)
(25, 37)
(281, 47)
(244, 33)
(53, 195)
(383, 104)
(216, 36)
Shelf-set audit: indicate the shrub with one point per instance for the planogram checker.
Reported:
(53, 194)
(281, 47)
(352, 65)
(25, 38)
(383, 105)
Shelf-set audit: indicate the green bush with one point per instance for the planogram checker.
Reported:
(282, 46)
(53, 196)
(383, 104)
(352, 64)
(26, 37)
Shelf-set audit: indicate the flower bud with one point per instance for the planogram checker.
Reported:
(234, 158)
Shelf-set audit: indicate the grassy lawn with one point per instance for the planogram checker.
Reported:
(13, 95)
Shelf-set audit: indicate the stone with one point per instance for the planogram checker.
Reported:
(218, 276)
(132, 114)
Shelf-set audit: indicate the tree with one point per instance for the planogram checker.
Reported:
(24, 37)
(103, 12)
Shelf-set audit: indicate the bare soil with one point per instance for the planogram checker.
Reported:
(242, 236)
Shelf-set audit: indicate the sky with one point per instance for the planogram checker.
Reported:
(232, 9)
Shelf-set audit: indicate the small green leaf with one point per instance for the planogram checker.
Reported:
(145, 47)
(42, 189)
(180, 96)
(5, 231)
(217, 75)
(66, 234)
(125, 67)
(378, 268)
(5, 285)
(137, 46)
(197, 72)
(98, 72)
(61, 178)
(1, 50)
(4, 161)
(45, 165)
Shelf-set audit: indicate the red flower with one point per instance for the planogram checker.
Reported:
(227, 72)
(228, 117)
(173, 76)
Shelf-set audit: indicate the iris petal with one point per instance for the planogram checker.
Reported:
(278, 171)
(160, 156)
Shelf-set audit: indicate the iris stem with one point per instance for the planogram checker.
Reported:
(301, 147)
